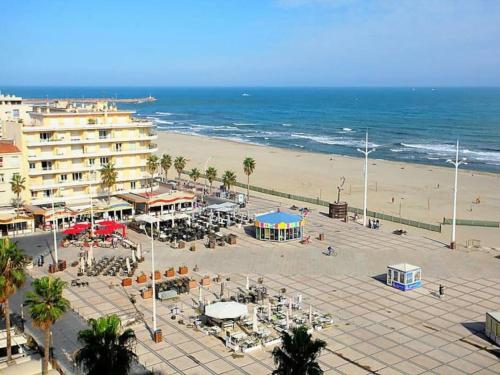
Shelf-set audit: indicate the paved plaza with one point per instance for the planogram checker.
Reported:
(377, 329)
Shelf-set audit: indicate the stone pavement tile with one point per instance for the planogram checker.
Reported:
(418, 346)
(150, 359)
(382, 343)
(409, 368)
(238, 361)
(485, 372)
(351, 369)
(332, 360)
(204, 356)
(483, 360)
(363, 334)
(177, 338)
(219, 366)
(140, 349)
(388, 357)
(390, 371)
(183, 363)
(365, 348)
(162, 368)
(412, 332)
(448, 370)
(256, 369)
(441, 356)
(457, 349)
(371, 363)
(190, 347)
(350, 354)
(397, 337)
(170, 353)
(198, 370)
(379, 329)
(347, 339)
(465, 366)
(426, 362)
(438, 322)
(403, 352)
(495, 368)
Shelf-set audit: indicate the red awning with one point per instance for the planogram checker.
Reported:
(82, 225)
(72, 230)
(112, 226)
(104, 231)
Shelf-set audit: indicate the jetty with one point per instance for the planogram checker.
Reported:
(90, 100)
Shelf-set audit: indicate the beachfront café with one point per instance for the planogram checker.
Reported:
(279, 226)
(404, 276)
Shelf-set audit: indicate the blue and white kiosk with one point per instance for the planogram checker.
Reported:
(404, 276)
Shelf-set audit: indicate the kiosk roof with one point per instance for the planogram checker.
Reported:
(278, 217)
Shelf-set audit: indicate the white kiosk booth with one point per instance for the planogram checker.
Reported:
(404, 276)
(492, 326)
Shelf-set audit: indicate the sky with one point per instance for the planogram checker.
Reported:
(250, 43)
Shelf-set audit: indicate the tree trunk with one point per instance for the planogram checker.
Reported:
(152, 184)
(45, 367)
(6, 312)
(248, 187)
(109, 196)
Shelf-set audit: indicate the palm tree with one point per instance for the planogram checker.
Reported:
(297, 354)
(248, 168)
(17, 185)
(108, 177)
(228, 179)
(152, 165)
(179, 165)
(46, 305)
(12, 276)
(166, 163)
(211, 174)
(194, 174)
(106, 348)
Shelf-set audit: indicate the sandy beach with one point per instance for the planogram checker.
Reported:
(414, 191)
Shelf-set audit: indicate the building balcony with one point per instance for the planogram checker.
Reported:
(82, 168)
(56, 184)
(31, 128)
(91, 140)
(78, 155)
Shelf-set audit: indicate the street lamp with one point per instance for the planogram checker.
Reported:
(54, 225)
(400, 201)
(455, 163)
(366, 152)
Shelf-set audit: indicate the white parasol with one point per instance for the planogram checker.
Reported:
(139, 251)
(127, 261)
(226, 310)
(82, 264)
(310, 314)
(255, 326)
(269, 311)
(133, 256)
(90, 255)
(247, 285)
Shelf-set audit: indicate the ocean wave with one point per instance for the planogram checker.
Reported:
(347, 130)
(286, 125)
(244, 124)
(449, 150)
(158, 121)
(337, 141)
(436, 147)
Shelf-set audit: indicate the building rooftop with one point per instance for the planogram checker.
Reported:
(67, 108)
(8, 147)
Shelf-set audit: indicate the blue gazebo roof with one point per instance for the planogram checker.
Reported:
(278, 217)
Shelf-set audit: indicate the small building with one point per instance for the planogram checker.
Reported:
(279, 226)
(492, 326)
(10, 165)
(404, 276)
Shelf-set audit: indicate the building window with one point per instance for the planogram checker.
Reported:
(118, 146)
(32, 165)
(2, 178)
(47, 193)
(92, 162)
(33, 194)
(46, 165)
(77, 176)
(64, 177)
(15, 113)
(132, 185)
(103, 134)
(45, 137)
(104, 160)
(1, 161)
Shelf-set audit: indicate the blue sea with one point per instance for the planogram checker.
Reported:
(418, 125)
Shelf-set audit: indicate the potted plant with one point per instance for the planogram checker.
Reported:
(170, 272)
(193, 284)
(142, 278)
(183, 270)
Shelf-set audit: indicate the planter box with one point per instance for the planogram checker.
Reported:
(170, 272)
(127, 281)
(211, 244)
(157, 275)
(142, 279)
(321, 236)
(192, 247)
(205, 281)
(157, 336)
(147, 293)
(231, 239)
(182, 245)
(52, 268)
(61, 265)
(183, 270)
(193, 284)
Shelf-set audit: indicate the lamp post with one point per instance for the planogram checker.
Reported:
(91, 174)
(400, 202)
(366, 152)
(456, 164)
(153, 281)
(54, 225)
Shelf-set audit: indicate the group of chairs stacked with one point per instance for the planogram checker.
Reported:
(254, 295)
(112, 266)
(180, 285)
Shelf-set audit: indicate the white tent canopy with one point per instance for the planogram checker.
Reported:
(226, 310)
(223, 207)
(165, 217)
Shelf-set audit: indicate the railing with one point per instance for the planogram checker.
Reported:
(319, 202)
(473, 223)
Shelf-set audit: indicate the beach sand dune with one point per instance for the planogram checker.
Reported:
(414, 191)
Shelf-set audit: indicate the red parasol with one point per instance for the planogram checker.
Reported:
(72, 230)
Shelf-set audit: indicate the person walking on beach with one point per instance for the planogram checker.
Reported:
(330, 250)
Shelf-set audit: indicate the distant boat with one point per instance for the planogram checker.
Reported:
(245, 94)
